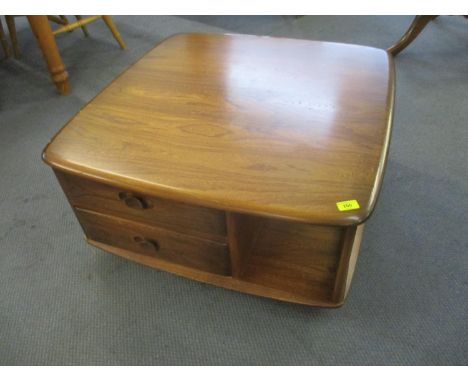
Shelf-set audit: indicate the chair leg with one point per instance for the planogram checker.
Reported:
(10, 20)
(4, 42)
(83, 27)
(65, 21)
(110, 24)
(416, 27)
(43, 32)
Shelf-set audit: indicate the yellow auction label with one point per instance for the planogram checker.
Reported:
(348, 205)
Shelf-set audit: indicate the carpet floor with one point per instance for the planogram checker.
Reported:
(64, 302)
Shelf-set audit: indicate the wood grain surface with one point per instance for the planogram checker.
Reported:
(168, 246)
(222, 158)
(243, 232)
(269, 126)
(218, 280)
(180, 217)
(295, 257)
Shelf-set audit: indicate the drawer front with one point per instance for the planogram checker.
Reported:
(175, 216)
(165, 245)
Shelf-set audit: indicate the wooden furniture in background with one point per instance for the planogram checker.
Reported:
(416, 27)
(46, 39)
(82, 22)
(63, 20)
(13, 36)
(4, 42)
(222, 158)
(10, 20)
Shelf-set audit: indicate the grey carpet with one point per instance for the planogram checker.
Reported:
(63, 302)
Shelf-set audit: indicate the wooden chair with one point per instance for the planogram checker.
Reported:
(416, 27)
(65, 26)
(10, 20)
(40, 25)
(62, 20)
(81, 23)
(4, 42)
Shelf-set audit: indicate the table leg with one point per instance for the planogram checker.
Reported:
(41, 29)
(416, 27)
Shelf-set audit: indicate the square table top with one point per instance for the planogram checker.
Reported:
(270, 126)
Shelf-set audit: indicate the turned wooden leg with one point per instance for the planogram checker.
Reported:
(43, 32)
(10, 20)
(83, 27)
(4, 42)
(416, 27)
(110, 24)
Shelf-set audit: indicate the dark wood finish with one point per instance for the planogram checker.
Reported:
(176, 216)
(168, 246)
(200, 123)
(232, 152)
(243, 231)
(416, 27)
(132, 200)
(214, 279)
(296, 263)
(296, 257)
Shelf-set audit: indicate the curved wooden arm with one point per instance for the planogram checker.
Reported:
(416, 27)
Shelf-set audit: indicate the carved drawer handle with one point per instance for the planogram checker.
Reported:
(133, 201)
(148, 244)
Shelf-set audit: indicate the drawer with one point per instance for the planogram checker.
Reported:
(175, 216)
(151, 241)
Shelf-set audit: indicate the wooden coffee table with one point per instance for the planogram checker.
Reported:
(241, 161)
